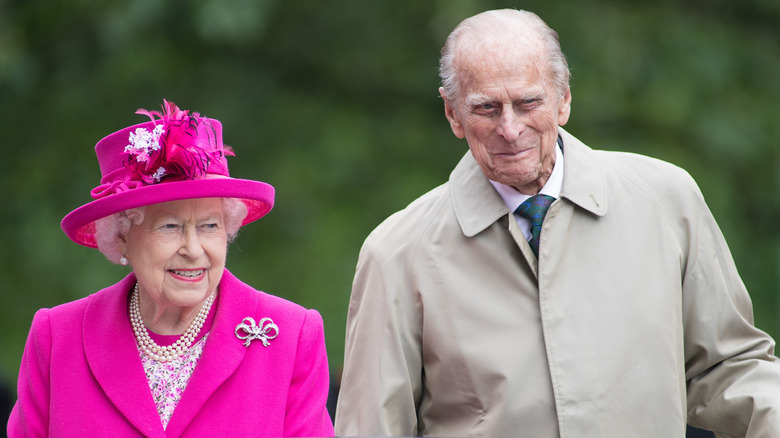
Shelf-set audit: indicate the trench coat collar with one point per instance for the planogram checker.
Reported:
(583, 182)
(477, 205)
(113, 356)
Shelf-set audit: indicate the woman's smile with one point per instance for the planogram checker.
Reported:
(188, 274)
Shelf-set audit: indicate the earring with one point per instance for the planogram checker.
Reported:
(123, 261)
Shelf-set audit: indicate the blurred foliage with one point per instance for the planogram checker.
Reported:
(335, 103)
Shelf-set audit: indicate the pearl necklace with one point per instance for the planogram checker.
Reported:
(178, 348)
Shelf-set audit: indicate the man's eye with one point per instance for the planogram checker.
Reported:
(484, 108)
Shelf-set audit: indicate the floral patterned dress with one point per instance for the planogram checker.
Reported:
(168, 380)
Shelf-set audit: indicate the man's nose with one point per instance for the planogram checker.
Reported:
(511, 124)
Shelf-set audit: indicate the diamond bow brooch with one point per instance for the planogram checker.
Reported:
(264, 330)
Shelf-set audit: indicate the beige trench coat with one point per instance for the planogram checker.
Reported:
(633, 321)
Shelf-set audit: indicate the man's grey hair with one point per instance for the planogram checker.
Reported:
(490, 22)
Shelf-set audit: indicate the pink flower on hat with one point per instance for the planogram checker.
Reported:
(174, 148)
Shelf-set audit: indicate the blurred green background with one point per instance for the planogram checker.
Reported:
(335, 103)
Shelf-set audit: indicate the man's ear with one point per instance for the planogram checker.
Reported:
(564, 109)
(452, 116)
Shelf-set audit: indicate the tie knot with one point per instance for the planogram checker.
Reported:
(534, 208)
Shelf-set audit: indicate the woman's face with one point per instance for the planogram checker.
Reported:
(178, 252)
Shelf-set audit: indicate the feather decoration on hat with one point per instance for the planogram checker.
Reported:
(182, 146)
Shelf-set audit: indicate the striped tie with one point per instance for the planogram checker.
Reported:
(534, 209)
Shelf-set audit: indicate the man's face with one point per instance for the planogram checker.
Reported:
(509, 111)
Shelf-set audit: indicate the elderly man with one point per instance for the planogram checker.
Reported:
(621, 314)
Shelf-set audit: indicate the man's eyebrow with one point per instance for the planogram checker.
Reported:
(534, 94)
(476, 99)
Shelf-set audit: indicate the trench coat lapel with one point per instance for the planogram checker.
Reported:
(112, 355)
(583, 183)
(476, 203)
(222, 355)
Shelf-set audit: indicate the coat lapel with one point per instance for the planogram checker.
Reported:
(222, 355)
(583, 183)
(476, 203)
(113, 358)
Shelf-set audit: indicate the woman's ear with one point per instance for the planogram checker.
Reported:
(121, 243)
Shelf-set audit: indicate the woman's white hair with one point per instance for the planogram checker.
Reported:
(110, 228)
(497, 23)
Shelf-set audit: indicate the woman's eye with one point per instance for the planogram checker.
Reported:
(169, 226)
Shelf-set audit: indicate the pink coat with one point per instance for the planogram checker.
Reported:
(81, 374)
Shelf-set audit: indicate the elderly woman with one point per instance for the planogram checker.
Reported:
(179, 347)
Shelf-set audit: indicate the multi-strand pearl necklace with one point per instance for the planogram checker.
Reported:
(178, 348)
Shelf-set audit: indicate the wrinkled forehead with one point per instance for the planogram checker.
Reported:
(510, 68)
(512, 56)
(499, 37)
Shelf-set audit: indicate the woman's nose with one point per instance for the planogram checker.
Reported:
(191, 246)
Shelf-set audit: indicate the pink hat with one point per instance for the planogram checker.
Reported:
(180, 156)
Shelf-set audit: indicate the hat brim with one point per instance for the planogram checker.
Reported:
(79, 224)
